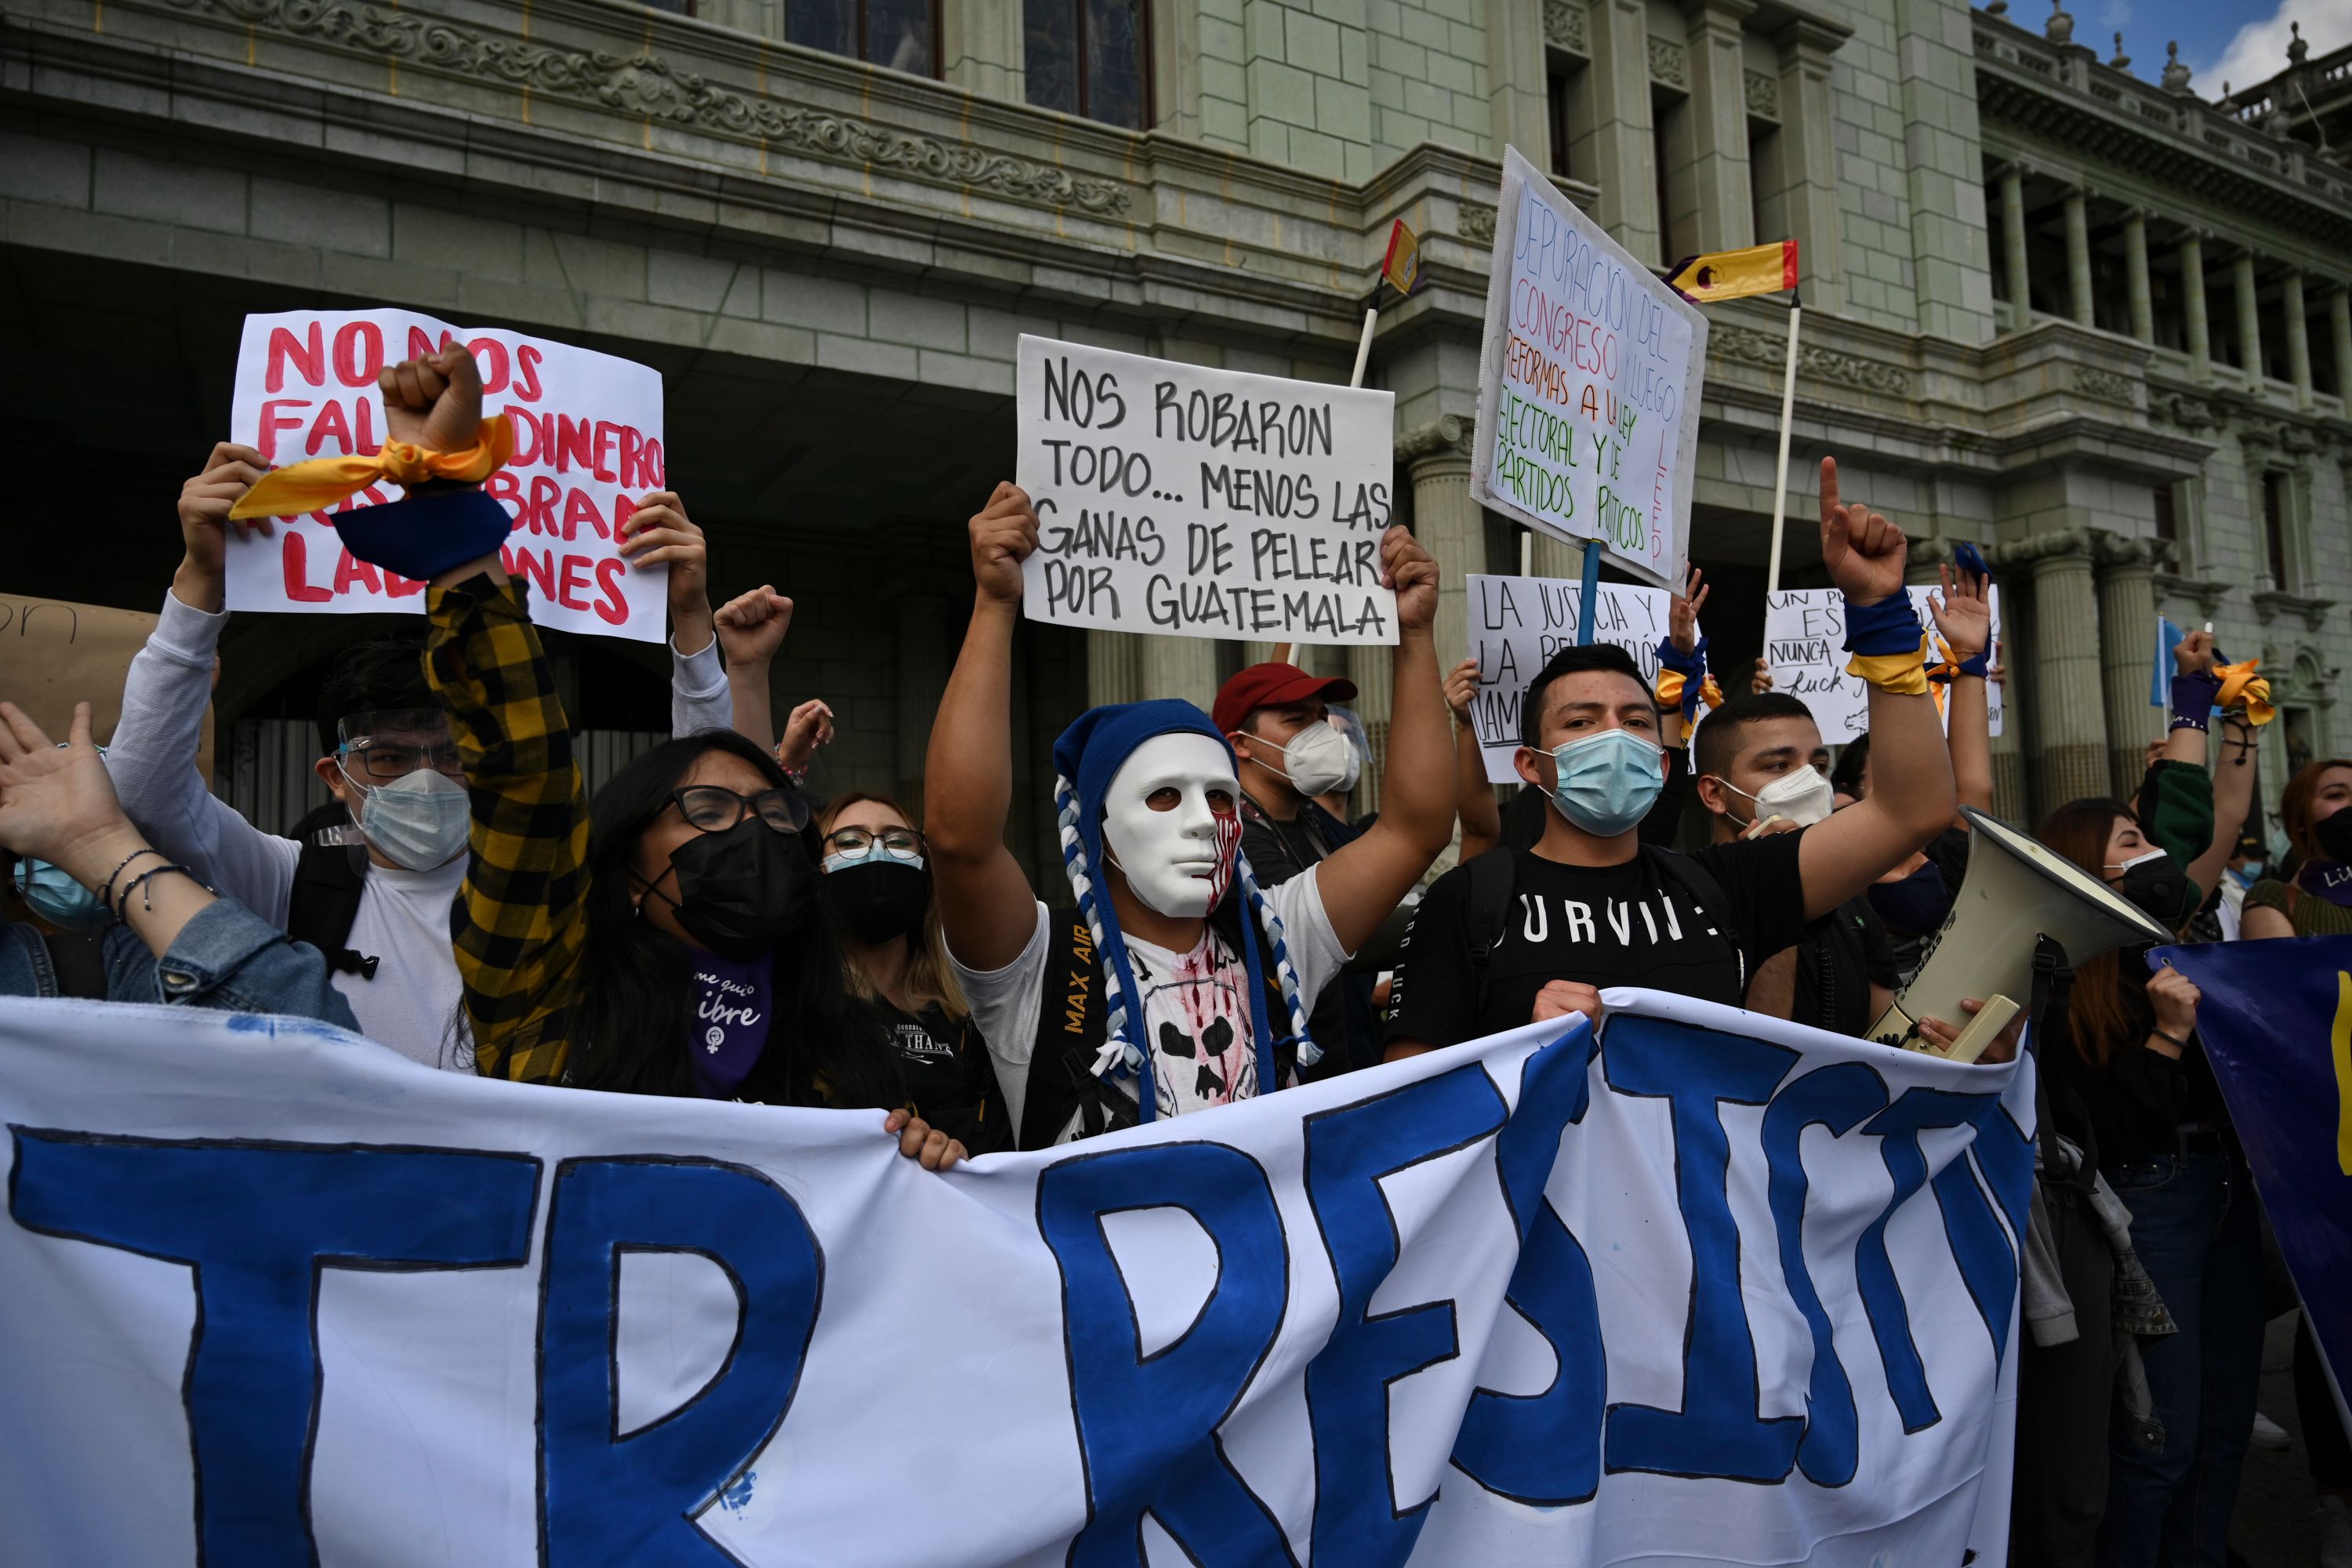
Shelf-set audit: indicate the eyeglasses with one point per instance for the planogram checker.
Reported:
(714, 809)
(857, 843)
(385, 760)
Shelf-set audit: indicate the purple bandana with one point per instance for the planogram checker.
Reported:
(732, 1005)
(2329, 880)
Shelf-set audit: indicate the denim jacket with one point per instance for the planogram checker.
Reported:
(226, 957)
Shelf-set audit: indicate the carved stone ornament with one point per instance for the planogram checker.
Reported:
(1564, 22)
(1667, 62)
(648, 84)
(2103, 384)
(2275, 604)
(2189, 412)
(1763, 94)
(1746, 345)
(2059, 545)
(1448, 436)
(1477, 223)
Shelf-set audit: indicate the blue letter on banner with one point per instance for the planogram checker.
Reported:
(1717, 1431)
(1148, 1425)
(1358, 1519)
(258, 1222)
(1544, 1449)
(606, 1498)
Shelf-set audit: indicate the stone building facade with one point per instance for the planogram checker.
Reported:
(2097, 323)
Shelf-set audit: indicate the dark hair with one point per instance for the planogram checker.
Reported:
(2102, 1019)
(1718, 738)
(1846, 776)
(2296, 803)
(373, 676)
(630, 1023)
(1601, 655)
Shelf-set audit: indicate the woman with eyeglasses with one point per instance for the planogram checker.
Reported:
(662, 941)
(877, 888)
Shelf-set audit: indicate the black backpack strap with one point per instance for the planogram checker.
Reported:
(78, 961)
(1072, 1023)
(1704, 893)
(327, 880)
(2050, 1035)
(1493, 876)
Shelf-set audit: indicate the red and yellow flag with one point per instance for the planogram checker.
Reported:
(1402, 266)
(1736, 274)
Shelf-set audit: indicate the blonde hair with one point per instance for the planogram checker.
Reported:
(931, 979)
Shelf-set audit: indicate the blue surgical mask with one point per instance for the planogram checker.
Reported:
(2248, 874)
(56, 898)
(1608, 782)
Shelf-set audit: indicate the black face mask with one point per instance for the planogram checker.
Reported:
(877, 901)
(742, 891)
(2158, 888)
(2333, 832)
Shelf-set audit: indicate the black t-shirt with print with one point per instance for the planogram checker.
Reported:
(946, 1069)
(1602, 926)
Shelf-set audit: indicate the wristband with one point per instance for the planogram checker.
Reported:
(1947, 669)
(1888, 627)
(1682, 677)
(425, 535)
(2241, 688)
(106, 889)
(147, 901)
(2193, 696)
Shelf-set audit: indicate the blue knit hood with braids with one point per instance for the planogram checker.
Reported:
(1086, 759)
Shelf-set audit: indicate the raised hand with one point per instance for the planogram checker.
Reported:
(1863, 552)
(1682, 612)
(1963, 613)
(751, 626)
(1462, 688)
(659, 533)
(2194, 654)
(433, 401)
(1412, 571)
(204, 522)
(56, 803)
(1002, 535)
(810, 726)
(1761, 681)
(2174, 998)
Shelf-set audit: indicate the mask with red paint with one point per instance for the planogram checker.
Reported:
(1171, 823)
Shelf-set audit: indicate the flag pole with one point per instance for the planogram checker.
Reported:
(1364, 343)
(1592, 592)
(1780, 474)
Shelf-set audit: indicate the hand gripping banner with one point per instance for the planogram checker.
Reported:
(1712, 1286)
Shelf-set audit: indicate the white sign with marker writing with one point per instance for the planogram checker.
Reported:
(1208, 503)
(1587, 385)
(1804, 634)
(1517, 624)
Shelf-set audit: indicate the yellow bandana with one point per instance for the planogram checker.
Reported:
(323, 481)
(2239, 684)
(1903, 674)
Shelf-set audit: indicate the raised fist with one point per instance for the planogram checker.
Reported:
(433, 401)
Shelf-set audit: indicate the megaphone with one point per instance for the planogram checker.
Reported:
(2015, 893)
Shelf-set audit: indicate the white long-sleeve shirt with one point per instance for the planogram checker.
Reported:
(402, 919)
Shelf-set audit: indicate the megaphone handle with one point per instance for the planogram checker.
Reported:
(1990, 1020)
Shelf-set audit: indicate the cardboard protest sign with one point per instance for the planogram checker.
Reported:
(1208, 503)
(1587, 385)
(57, 653)
(1804, 631)
(588, 443)
(1517, 624)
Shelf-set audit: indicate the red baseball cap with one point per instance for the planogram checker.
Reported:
(1274, 686)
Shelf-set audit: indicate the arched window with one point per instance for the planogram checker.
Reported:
(1091, 57)
(902, 35)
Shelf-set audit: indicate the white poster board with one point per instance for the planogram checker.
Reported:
(1195, 502)
(1517, 624)
(588, 444)
(1729, 1290)
(1587, 385)
(1804, 629)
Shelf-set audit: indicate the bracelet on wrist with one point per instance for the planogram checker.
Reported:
(147, 897)
(106, 889)
(2169, 1035)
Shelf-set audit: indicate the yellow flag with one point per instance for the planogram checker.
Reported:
(1735, 274)
(1401, 266)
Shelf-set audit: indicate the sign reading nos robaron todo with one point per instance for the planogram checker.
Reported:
(588, 445)
(1195, 502)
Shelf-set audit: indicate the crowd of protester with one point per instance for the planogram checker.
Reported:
(1225, 926)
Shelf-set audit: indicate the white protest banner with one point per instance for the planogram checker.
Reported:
(1587, 385)
(1208, 503)
(1517, 624)
(277, 1296)
(1804, 634)
(588, 443)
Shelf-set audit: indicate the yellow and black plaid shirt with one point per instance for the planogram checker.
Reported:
(521, 924)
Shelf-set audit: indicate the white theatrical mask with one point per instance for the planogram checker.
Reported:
(1169, 823)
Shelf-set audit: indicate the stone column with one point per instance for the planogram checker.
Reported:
(2192, 306)
(1718, 111)
(1809, 152)
(1451, 526)
(2250, 318)
(2143, 304)
(2070, 728)
(2339, 333)
(2127, 611)
(2012, 246)
(1552, 558)
(1373, 669)
(981, 49)
(2299, 341)
(922, 677)
(1114, 666)
(1620, 80)
(1177, 666)
(2078, 260)
(1518, 111)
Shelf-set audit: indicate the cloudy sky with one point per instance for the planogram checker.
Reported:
(2236, 41)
